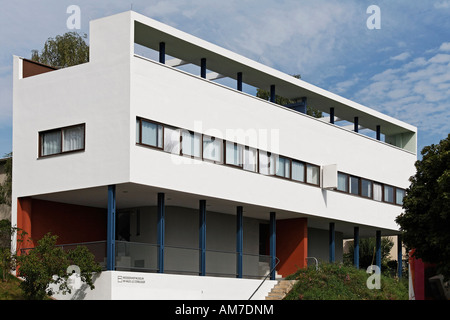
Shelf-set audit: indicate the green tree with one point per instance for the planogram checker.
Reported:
(7, 258)
(47, 264)
(367, 248)
(63, 51)
(425, 222)
(264, 94)
(6, 186)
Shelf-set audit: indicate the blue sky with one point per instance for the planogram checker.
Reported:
(401, 69)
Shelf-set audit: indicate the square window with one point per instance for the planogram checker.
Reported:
(212, 149)
(312, 174)
(342, 182)
(233, 154)
(366, 188)
(298, 171)
(283, 167)
(354, 185)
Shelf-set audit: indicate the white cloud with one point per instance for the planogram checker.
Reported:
(445, 47)
(401, 57)
(442, 4)
(417, 92)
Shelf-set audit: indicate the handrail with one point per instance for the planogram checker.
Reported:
(265, 278)
(316, 261)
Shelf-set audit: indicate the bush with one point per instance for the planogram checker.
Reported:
(340, 282)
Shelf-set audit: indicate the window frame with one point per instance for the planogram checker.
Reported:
(222, 147)
(157, 138)
(306, 174)
(60, 130)
(241, 155)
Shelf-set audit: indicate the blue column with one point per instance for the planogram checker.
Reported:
(378, 249)
(331, 243)
(111, 229)
(273, 244)
(203, 68)
(160, 232)
(399, 256)
(356, 124)
(272, 93)
(239, 81)
(378, 132)
(239, 241)
(356, 247)
(162, 52)
(332, 115)
(202, 238)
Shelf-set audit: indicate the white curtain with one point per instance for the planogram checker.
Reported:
(172, 140)
(250, 159)
(266, 163)
(51, 143)
(212, 148)
(312, 174)
(73, 138)
(342, 182)
(233, 154)
(191, 143)
(377, 192)
(298, 171)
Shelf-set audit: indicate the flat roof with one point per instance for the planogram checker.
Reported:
(181, 45)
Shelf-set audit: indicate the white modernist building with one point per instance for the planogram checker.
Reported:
(184, 185)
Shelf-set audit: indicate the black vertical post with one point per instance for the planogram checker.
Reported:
(239, 81)
(239, 241)
(162, 52)
(332, 249)
(202, 237)
(160, 232)
(273, 244)
(378, 132)
(356, 125)
(356, 247)
(203, 68)
(332, 115)
(272, 93)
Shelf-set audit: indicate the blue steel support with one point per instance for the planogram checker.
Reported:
(356, 124)
(378, 249)
(160, 232)
(202, 237)
(399, 256)
(356, 247)
(203, 68)
(273, 244)
(239, 81)
(111, 229)
(162, 52)
(239, 241)
(332, 115)
(331, 243)
(378, 132)
(272, 93)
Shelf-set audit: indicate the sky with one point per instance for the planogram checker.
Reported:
(400, 68)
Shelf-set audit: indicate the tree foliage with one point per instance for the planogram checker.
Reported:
(367, 247)
(63, 51)
(47, 265)
(6, 186)
(7, 257)
(425, 222)
(264, 94)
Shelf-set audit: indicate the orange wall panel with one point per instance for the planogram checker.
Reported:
(292, 245)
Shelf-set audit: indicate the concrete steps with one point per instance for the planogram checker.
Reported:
(280, 290)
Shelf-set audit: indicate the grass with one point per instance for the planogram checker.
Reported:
(340, 282)
(10, 290)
